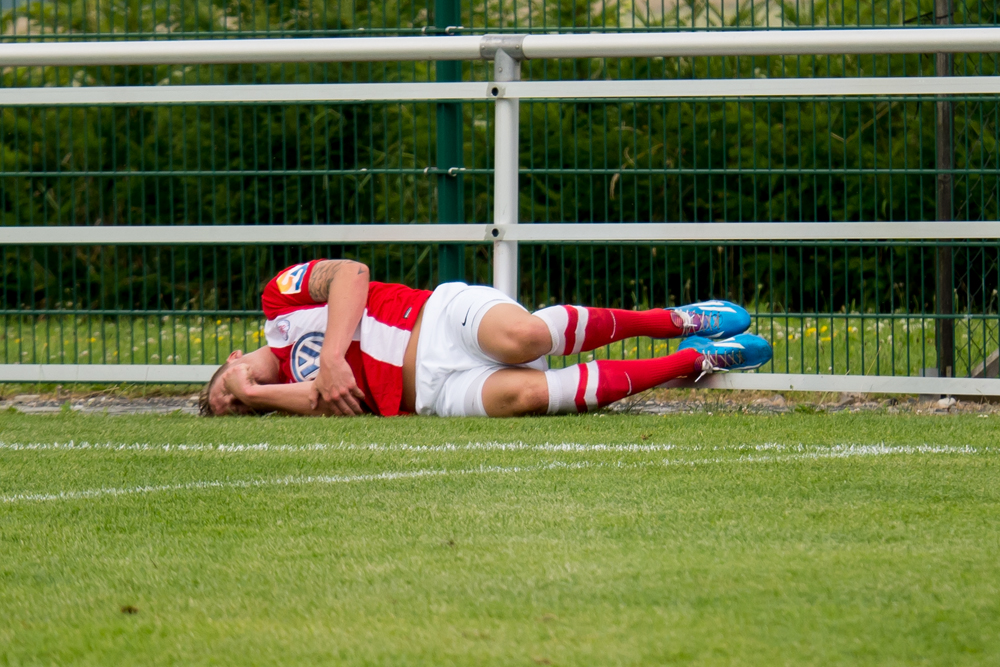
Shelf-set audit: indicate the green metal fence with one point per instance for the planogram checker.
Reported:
(831, 307)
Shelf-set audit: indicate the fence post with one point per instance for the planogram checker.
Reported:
(450, 201)
(943, 133)
(506, 67)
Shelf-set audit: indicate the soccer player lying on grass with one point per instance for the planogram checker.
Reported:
(339, 344)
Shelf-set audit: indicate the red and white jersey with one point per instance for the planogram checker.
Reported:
(296, 324)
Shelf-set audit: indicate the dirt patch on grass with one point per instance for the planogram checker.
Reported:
(100, 404)
(676, 401)
(658, 401)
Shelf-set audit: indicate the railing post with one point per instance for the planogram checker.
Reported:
(450, 204)
(506, 67)
(943, 131)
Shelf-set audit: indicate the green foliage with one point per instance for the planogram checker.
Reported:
(784, 160)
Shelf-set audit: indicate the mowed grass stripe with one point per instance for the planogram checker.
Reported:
(283, 481)
(699, 429)
(568, 447)
(724, 542)
(837, 452)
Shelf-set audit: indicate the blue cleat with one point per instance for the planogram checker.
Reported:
(711, 319)
(738, 353)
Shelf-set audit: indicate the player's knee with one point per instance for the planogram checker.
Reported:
(532, 398)
(525, 340)
(537, 335)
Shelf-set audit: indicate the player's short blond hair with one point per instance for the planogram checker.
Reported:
(204, 406)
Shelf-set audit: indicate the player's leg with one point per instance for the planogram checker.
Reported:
(511, 392)
(514, 392)
(589, 386)
(511, 335)
(574, 329)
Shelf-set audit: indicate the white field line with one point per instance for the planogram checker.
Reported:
(280, 481)
(851, 451)
(567, 447)
(835, 452)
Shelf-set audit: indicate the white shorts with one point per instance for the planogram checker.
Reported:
(451, 367)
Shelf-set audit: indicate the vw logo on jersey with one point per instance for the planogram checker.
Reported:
(305, 356)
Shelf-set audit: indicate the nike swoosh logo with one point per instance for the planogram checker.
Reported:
(466, 316)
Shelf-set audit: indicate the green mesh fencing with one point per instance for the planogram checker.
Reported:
(854, 308)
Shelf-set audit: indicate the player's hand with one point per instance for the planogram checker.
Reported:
(235, 395)
(237, 380)
(336, 388)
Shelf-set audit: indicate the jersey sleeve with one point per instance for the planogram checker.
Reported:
(288, 291)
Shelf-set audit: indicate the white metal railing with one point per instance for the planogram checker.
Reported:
(617, 45)
(505, 90)
(527, 90)
(220, 235)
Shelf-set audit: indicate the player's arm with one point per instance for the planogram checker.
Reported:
(343, 285)
(293, 398)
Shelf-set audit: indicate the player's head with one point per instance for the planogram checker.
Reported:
(216, 399)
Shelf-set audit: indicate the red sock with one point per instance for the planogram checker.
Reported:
(589, 386)
(579, 329)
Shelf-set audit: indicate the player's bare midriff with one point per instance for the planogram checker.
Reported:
(409, 402)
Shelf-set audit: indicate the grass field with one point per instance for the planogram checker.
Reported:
(608, 539)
